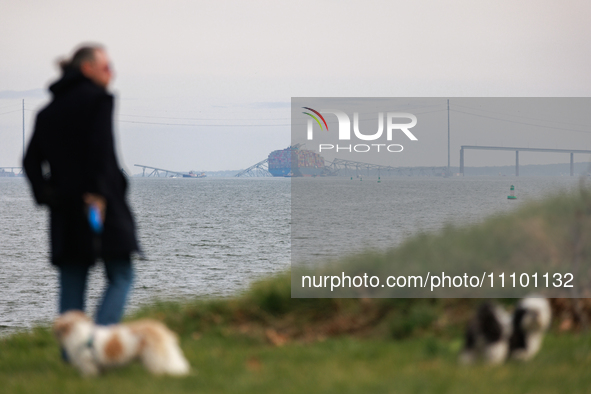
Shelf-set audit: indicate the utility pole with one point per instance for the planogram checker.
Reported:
(23, 129)
(448, 154)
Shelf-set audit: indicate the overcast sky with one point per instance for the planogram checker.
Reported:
(185, 70)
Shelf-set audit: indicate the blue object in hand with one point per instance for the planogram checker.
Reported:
(94, 218)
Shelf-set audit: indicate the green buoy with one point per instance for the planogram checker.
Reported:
(351, 178)
(512, 196)
(379, 181)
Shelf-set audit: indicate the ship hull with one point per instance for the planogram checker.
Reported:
(279, 171)
(295, 162)
(301, 171)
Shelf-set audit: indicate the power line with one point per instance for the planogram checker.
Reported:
(170, 117)
(9, 112)
(9, 105)
(289, 124)
(524, 123)
(430, 112)
(205, 125)
(237, 125)
(520, 116)
(182, 118)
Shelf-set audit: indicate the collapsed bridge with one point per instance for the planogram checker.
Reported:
(340, 167)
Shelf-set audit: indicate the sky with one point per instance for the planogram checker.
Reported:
(207, 85)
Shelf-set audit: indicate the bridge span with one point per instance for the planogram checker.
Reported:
(517, 150)
(11, 171)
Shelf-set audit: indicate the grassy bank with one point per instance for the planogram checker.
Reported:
(263, 341)
(29, 363)
(552, 235)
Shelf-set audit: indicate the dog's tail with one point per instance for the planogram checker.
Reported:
(159, 348)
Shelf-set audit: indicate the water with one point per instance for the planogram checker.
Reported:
(212, 237)
(201, 237)
(335, 216)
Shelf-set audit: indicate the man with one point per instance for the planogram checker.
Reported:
(72, 166)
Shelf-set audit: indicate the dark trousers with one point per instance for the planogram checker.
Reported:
(73, 289)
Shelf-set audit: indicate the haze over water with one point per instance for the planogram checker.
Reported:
(213, 237)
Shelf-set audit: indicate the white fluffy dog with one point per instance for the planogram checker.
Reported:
(531, 319)
(91, 347)
(487, 336)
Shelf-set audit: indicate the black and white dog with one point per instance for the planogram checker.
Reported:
(531, 319)
(494, 336)
(487, 336)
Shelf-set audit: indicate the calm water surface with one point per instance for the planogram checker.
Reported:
(201, 237)
(212, 237)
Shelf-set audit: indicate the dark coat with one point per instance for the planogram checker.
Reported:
(73, 137)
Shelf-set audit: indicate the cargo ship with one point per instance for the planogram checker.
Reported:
(294, 161)
(193, 174)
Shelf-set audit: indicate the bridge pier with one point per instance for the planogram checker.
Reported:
(518, 149)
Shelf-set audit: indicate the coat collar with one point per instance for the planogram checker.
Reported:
(69, 79)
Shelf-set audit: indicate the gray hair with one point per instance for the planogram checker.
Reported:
(81, 55)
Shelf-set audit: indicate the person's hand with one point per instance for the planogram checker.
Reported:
(98, 201)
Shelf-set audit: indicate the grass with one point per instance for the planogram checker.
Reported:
(264, 341)
(29, 363)
(551, 235)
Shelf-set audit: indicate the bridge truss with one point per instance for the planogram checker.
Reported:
(340, 167)
(156, 172)
(260, 169)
